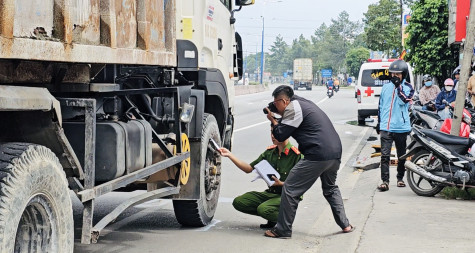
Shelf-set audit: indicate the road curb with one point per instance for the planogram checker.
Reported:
(363, 160)
(249, 89)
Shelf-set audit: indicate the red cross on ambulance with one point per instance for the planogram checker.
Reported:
(369, 91)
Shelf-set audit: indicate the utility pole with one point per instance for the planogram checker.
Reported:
(464, 71)
(262, 50)
(257, 68)
(402, 21)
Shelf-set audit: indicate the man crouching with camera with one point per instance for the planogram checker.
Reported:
(282, 156)
(321, 146)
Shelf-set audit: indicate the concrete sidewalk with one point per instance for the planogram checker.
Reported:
(399, 220)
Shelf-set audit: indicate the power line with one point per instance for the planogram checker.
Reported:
(286, 20)
(278, 27)
(269, 36)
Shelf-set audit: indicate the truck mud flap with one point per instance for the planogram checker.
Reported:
(423, 173)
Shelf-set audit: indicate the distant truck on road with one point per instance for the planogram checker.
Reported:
(303, 74)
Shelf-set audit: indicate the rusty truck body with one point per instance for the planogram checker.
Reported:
(106, 95)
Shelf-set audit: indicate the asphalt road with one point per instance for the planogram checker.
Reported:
(151, 227)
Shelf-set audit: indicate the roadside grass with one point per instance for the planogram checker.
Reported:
(457, 193)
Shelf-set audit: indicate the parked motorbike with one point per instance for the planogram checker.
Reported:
(424, 118)
(330, 92)
(438, 160)
(432, 120)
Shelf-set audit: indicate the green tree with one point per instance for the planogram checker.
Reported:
(354, 58)
(253, 63)
(331, 43)
(318, 39)
(279, 60)
(343, 32)
(301, 48)
(360, 41)
(427, 43)
(382, 26)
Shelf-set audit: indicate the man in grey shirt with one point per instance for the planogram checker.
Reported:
(321, 146)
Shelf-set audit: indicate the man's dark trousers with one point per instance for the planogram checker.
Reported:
(387, 138)
(302, 176)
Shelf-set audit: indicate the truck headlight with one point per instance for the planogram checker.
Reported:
(187, 113)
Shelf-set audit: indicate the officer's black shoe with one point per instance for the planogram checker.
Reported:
(269, 224)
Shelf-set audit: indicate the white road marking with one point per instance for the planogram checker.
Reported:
(117, 225)
(212, 224)
(251, 126)
(151, 203)
(323, 100)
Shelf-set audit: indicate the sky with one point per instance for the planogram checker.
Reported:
(290, 18)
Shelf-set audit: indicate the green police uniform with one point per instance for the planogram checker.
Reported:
(266, 204)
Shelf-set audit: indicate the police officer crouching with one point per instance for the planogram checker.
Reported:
(282, 156)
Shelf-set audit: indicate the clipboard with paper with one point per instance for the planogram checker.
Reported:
(265, 171)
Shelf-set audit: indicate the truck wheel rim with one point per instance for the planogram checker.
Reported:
(185, 164)
(212, 173)
(36, 229)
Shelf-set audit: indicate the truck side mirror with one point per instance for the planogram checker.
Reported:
(239, 3)
(243, 2)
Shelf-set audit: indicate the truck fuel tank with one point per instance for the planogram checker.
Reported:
(121, 147)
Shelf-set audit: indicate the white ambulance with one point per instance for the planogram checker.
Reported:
(373, 75)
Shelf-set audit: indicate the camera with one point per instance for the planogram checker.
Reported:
(271, 107)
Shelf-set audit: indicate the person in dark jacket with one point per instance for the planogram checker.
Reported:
(321, 146)
(456, 79)
(393, 120)
(446, 96)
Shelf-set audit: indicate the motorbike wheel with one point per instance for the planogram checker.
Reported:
(418, 184)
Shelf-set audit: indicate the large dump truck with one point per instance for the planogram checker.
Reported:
(105, 95)
(303, 74)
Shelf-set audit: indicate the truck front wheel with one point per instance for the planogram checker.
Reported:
(200, 212)
(35, 211)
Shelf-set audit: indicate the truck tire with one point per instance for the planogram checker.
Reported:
(35, 212)
(200, 212)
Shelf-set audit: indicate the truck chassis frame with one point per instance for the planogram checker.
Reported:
(89, 191)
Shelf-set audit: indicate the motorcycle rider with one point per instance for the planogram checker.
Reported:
(428, 93)
(456, 75)
(330, 88)
(393, 120)
(446, 96)
(330, 83)
(471, 87)
(337, 84)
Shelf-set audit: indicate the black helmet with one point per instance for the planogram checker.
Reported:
(426, 78)
(456, 71)
(399, 66)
